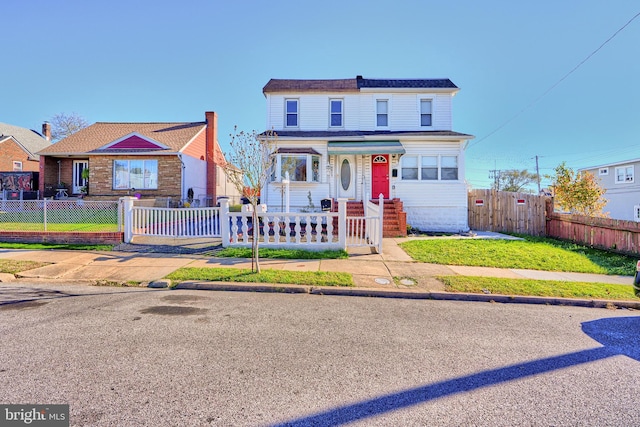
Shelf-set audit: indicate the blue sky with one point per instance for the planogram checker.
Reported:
(172, 61)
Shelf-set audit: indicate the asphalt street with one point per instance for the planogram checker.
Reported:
(142, 357)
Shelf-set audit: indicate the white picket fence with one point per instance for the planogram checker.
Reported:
(291, 230)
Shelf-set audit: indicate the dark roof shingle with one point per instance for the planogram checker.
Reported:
(353, 85)
(94, 137)
(29, 139)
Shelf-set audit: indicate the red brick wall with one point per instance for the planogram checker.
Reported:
(114, 238)
(10, 151)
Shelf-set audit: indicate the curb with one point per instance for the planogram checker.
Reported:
(395, 293)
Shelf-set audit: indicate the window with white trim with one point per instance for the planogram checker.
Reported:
(409, 167)
(426, 112)
(301, 167)
(291, 113)
(624, 174)
(335, 113)
(17, 166)
(449, 168)
(382, 112)
(138, 174)
(429, 168)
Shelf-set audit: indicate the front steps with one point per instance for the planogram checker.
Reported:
(394, 223)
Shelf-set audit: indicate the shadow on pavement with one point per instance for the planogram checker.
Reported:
(618, 336)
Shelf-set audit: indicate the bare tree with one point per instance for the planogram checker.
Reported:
(248, 167)
(63, 125)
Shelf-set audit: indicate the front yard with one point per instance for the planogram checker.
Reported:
(532, 253)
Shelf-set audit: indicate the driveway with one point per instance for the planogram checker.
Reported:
(123, 356)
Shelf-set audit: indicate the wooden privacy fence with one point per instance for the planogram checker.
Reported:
(507, 212)
(603, 233)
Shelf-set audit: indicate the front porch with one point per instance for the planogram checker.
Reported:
(395, 219)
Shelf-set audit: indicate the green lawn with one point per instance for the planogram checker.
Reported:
(311, 278)
(533, 253)
(544, 288)
(48, 246)
(282, 253)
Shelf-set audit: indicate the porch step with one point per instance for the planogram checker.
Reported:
(394, 222)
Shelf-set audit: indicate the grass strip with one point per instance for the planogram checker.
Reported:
(47, 246)
(282, 253)
(532, 253)
(542, 288)
(216, 274)
(13, 266)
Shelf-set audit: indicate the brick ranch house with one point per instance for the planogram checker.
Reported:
(150, 160)
(18, 147)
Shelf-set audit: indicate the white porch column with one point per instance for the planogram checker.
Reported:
(224, 221)
(342, 222)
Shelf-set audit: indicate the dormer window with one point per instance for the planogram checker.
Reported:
(291, 112)
(335, 107)
(425, 112)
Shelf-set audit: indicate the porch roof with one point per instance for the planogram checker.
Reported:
(365, 147)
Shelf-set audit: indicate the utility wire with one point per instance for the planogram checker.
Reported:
(532, 103)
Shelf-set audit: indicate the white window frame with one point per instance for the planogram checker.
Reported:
(331, 113)
(387, 102)
(296, 113)
(419, 164)
(17, 166)
(603, 171)
(420, 101)
(627, 172)
(312, 176)
(152, 180)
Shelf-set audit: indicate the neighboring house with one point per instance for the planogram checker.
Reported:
(19, 147)
(359, 138)
(153, 160)
(623, 190)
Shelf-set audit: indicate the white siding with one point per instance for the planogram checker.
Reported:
(621, 197)
(359, 111)
(433, 205)
(195, 176)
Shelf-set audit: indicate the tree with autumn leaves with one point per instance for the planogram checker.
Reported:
(578, 192)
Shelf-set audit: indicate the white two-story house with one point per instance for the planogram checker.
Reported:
(622, 189)
(359, 138)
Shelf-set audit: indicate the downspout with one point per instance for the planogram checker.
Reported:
(182, 193)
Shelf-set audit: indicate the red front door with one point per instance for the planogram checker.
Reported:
(380, 175)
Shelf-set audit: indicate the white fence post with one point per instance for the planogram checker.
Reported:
(127, 203)
(380, 227)
(342, 223)
(224, 221)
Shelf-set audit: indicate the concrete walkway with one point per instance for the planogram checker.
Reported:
(370, 271)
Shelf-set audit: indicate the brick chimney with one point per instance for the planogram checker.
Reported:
(46, 131)
(212, 140)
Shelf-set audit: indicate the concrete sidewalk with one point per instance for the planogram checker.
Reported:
(369, 270)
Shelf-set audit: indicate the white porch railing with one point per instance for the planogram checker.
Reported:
(310, 231)
(367, 230)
